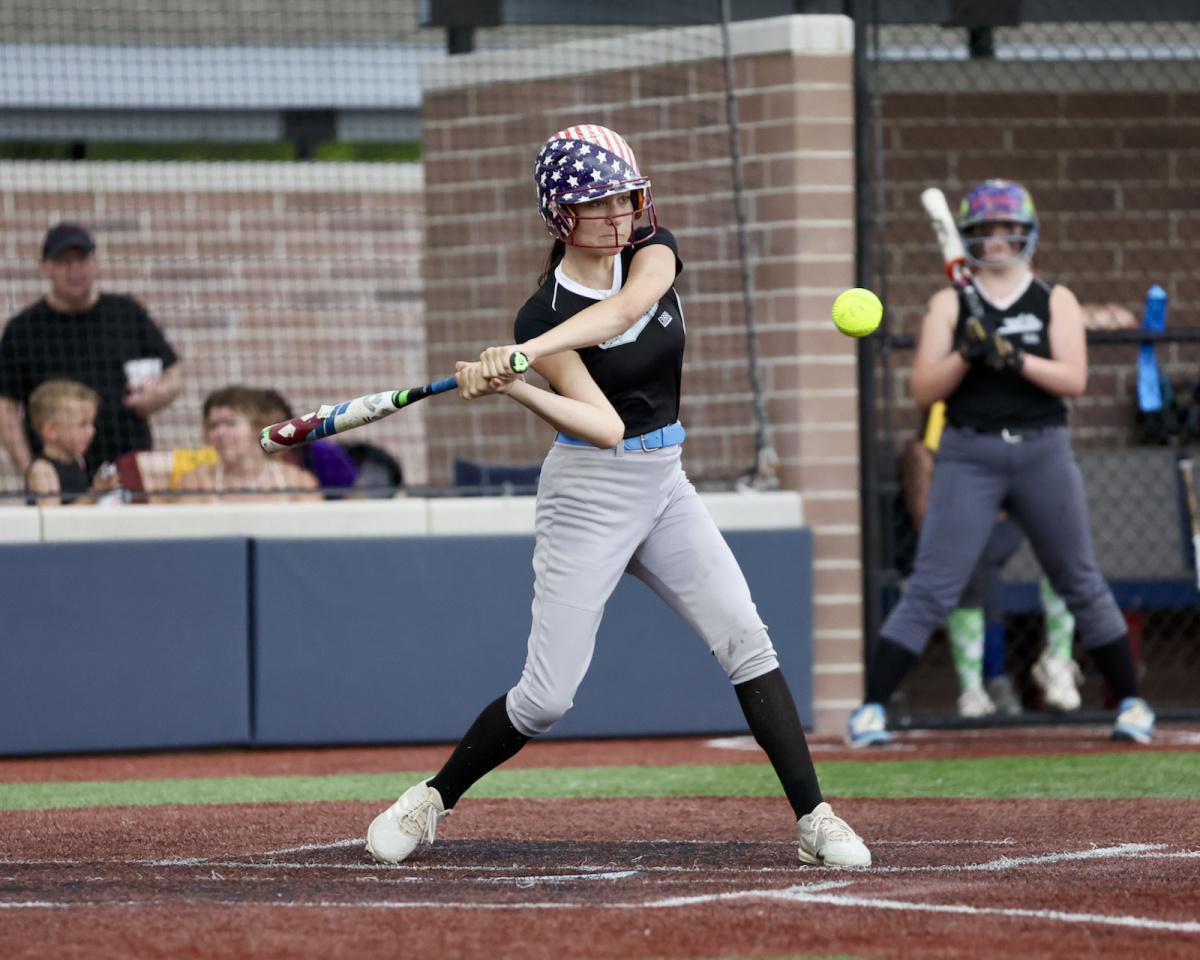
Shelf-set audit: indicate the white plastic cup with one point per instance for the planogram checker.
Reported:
(139, 371)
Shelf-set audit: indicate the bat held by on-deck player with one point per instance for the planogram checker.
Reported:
(959, 272)
(357, 412)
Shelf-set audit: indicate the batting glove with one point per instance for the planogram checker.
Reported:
(971, 340)
(1001, 354)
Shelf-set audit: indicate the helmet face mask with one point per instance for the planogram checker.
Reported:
(579, 165)
(996, 202)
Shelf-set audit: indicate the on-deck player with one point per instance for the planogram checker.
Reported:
(1006, 447)
(606, 329)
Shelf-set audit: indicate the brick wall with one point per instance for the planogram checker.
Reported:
(1116, 179)
(302, 277)
(485, 117)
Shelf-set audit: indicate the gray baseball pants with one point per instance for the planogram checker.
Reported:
(601, 513)
(1038, 482)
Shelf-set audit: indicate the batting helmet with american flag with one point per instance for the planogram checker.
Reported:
(584, 163)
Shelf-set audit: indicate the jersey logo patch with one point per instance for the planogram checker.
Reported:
(665, 318)
(1023, 323)
(630, 335)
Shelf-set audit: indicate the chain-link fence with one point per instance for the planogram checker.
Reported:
(289, 196)
(1099, 121)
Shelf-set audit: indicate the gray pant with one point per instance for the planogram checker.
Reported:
(601, 513)
(1038, 482)
(986, 586)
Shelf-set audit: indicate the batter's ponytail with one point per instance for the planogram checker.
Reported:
(553, 259)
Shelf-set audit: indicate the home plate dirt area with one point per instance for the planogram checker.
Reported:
(605, 878)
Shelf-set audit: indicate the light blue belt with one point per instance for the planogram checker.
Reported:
(669, 436)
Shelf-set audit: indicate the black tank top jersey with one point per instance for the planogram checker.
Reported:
(990, 400)
(639, 371)
(73, 480)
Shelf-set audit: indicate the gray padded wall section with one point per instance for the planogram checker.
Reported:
(113, 646)
(361, 641)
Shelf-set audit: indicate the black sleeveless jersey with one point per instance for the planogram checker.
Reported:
(990, 400)
(639, 371)
(73, 480)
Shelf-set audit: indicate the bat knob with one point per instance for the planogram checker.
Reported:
(519, 362)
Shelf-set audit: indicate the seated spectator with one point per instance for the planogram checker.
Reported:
(233, 418)
(63, 415)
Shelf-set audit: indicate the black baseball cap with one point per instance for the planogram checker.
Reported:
(64, 236)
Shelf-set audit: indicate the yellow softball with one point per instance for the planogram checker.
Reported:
(857, 312)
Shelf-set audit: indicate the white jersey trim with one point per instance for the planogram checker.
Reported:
(1012, 297)
(562, 280)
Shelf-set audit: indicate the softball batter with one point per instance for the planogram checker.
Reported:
(606, 330)
(1006, 447)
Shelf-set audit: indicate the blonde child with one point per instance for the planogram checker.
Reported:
(63, 414)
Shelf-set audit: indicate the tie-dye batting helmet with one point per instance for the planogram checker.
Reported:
(584, 163)
(998, 201)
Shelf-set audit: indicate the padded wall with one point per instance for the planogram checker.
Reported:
(119, 646)
(406, 640)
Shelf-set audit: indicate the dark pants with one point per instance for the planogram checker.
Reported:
(1037, 481)
(986, 586)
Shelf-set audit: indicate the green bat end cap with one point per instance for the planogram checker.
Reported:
(519, 362)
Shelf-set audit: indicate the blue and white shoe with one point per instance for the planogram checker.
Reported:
(868, 726)
(1135, 720)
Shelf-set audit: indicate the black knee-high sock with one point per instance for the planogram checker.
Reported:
(887, 670)
(1115, 662)
(491, 740)
(771, 713)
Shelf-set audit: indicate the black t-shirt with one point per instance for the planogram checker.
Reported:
(40, 343)
(990, 400)
(639, 371)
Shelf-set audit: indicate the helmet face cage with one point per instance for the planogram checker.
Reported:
(998, 201)
(585, 163)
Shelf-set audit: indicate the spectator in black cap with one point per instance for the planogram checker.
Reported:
(104, 340)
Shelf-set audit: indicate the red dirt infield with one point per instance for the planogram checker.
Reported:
(668, 878)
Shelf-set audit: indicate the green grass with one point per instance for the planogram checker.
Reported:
(1125, 775)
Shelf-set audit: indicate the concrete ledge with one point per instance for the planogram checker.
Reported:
(399, 517)
(811, 34)
(20, 525)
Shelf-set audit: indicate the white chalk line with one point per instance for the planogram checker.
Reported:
(1117, 920)
(804, 893)
(748, 745)
(569, 905)
(586, 871)
(351, 842)
(810, 893)
(1140, 850)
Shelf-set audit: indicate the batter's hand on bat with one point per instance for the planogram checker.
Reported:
(473, 384)
(499, 361)
(971, 340)
(1002, 355)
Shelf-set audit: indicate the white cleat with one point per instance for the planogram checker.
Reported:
(1135, 721)
(1059, 679)
(868, 727)
(827, 838)
(974, 702)
(402, 827)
